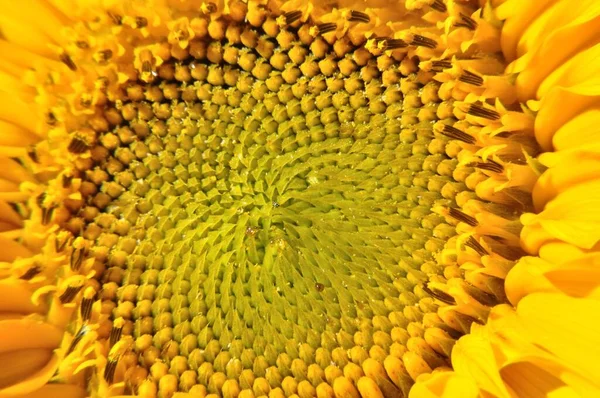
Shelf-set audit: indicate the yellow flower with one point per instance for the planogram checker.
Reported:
(350, 198)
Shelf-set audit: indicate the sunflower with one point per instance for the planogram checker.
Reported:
(352, 198)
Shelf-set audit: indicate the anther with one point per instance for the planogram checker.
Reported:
(32, 153)
(77, 146)
(292, 16)
(109, 371)
(453, 132)
(77, 258)
(423, 41)
(104, 55)
(471, 78)
(480, 111)
(473, 244)
(47, 213)
(66, 181)
(77, 338)
(359, 16)
(50, 119)
(62, 241)
(441, 65)
(490, 165)
(85, 310)
(392, 44)
(115, 332)
(439, 5)
(117, 19)
(466, 22)
(65, 59)
(141, 22)
(439, 295)
(210, 7)
(460, 216)
(69, 294)
(31, 272)
(326, 27)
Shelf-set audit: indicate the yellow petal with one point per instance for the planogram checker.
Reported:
(473, 357)
(566, 327)
(529, 380)
(32, 383)
(560, 105)
(59, 391)
(15, 297)
(444, 385)
(19, 334)
(15, 366)
(581, 130)
(573, 216)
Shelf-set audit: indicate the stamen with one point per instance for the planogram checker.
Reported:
(61, 243)
(31, 272)
(51, 119)
(439, 295)
(358, 16)
(47, 213)
(69, 294)
(115, 332)
(466, 22)
(423, 41)
(439, 5)
(82, 44)
(460, 216)
(117, 19)
(392, 44)
(473, 244)
(141, 22)
(77, 146)
(77, 258)
(109, 371)
(480, 111)
(65, 59)
(67, 181)
(455, 133)
(77, 338)
(441, 64)
(471, 78)
(104, 55)
(326, 27)
(85, 310)
(490, 165)
(32, 153)
(292, 16)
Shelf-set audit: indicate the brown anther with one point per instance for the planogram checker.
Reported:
(439, 295)
(104, 55)
(60, 244)
(141, 22)
(47, 213)
(66, 181)
(50, 119)
(65, 59)
(423, 41)
(489, 165)
(77, 146)
(392, 44)
(358, 16)
(453, 132)
(31, 272)
(441, 65)
(460, 216)
(32, 153)
(326, 27)
(473, 244)
(471, 78)
(466, 22)
(115, 335)
(77, 338)
(85, 310)
(117, 19)
(319, 286)
(82, 44)
(479, 111)
(211, 7)
(292, 16)
(109, 371)
(439, 5)
(39, 200)
(69, 294)
(77, 258)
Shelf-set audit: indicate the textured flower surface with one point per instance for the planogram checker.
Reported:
(351, 198)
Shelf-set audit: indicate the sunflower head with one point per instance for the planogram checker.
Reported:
(298, 199)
